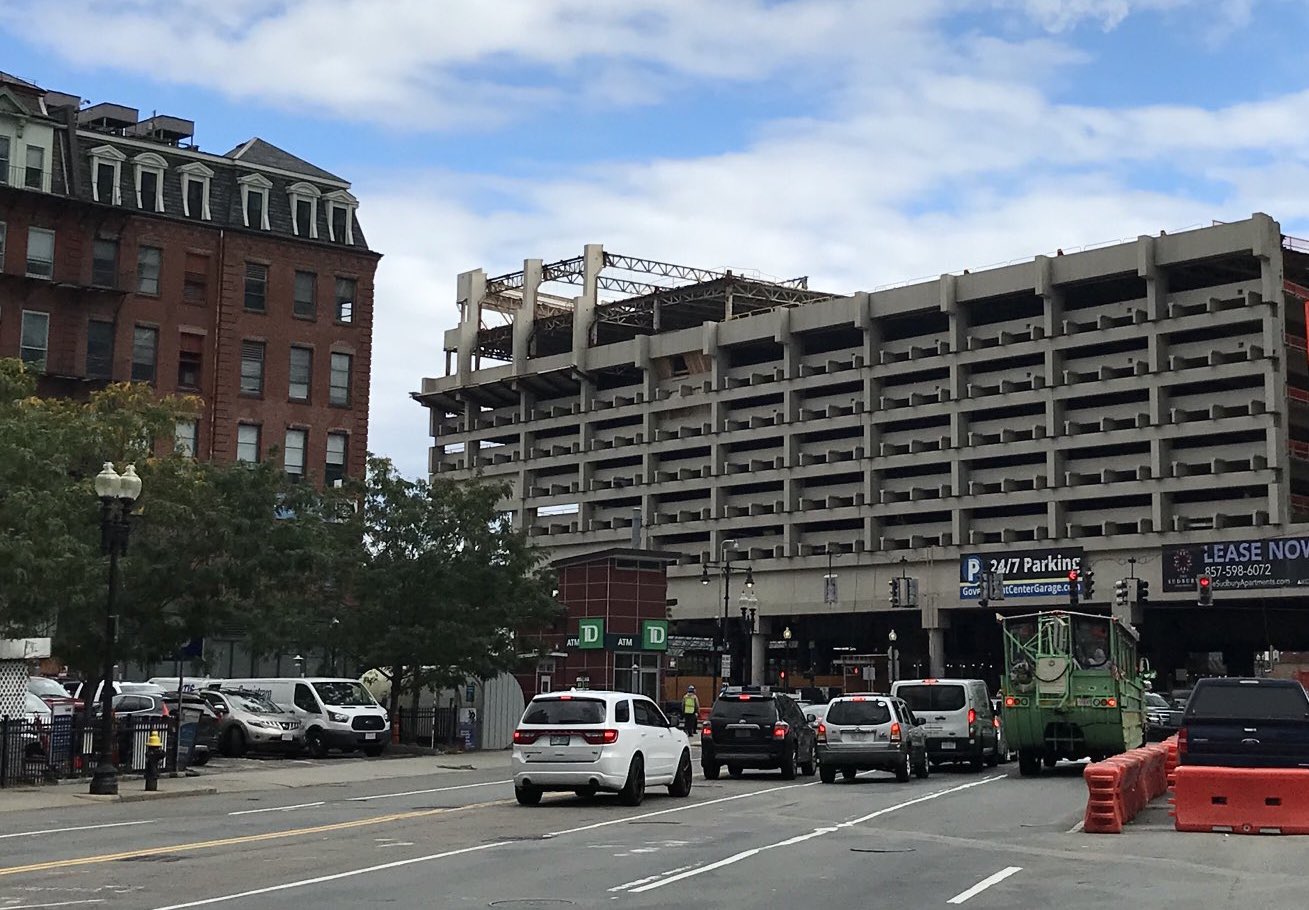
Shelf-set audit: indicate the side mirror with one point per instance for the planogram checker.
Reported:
(918, 721)
(812, 718)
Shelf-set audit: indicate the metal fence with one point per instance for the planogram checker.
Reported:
(428, 726)
(32, 752)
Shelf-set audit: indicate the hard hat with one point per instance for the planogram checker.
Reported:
(690, 688)
(154, 742)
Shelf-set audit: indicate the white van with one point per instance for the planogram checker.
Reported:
(190, 684)
(338, 713)
(959, 722)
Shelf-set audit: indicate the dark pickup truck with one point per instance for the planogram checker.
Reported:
(1246, 723)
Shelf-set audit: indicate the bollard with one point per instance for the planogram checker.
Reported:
(154, 752)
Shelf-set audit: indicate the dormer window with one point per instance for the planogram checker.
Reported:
(106, 174)
(195, 190)
(150, 181)
(304, 209)
(254, 200)
(341, 207)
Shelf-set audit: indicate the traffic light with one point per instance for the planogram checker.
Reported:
(1142, 591)
(995, 586)
(895, 592)
(1088, 584)
(984, 589)
(1204, 589)
(1121, 595)
(1074, 579)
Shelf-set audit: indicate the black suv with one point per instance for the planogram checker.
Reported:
(752, 727)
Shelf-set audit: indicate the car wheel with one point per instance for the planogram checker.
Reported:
(978, 761)
(314, 744)
(788, 764)
(922, 772)
(527, 795)
(681, 785)
(1050, 760)
(807, 768)
(849, 773)
(374, 751)
(711, 770)
(827, 774)
(1029, 763)
(994, 758)
(734, 770)
(201, 759)
(634, 790)
(587, 792)
(234, 743)
(902, 769)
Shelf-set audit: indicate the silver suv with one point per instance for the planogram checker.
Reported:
(870, 733)
(248, 720)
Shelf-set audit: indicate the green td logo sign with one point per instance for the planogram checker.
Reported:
(590, 634)
(654, 635)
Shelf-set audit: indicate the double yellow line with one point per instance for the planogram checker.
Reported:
(245, 839)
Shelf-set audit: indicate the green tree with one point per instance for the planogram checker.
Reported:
(444, 582)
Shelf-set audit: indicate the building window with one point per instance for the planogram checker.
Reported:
(104, 263)
(5, 163)
(254, 200)
(339, 386)
(195, 281)
(195, 190)
(40, 253)
(336, 450)
(35, 342)
(306, 295)
(302, 360)
(340, 216)
(247, 443)
(150, 181)
(106, 165)
(145, 352)
(256, 287)
(99, 349)
(294, 455)
(188, 370)
(187, 437)
(346, 288)
(304, 209)
(148, 259)
(252, 368)
(34, 178)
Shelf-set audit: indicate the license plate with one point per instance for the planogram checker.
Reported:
(286, 737)
(370, 736)
(857, 737)
(560, 740)
(947, 746)
(744, 734)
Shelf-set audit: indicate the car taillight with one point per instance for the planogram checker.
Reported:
(525, 737)
(780, 730)
(601, 737)
(707, 730)
(972, 716)
(1181, 741)
(995, 722)
(895, 731)
(822, 732)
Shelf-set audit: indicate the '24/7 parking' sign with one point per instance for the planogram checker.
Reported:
(1027, 573)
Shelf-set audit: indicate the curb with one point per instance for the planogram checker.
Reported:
(145, 796)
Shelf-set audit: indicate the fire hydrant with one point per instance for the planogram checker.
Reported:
(154, 753)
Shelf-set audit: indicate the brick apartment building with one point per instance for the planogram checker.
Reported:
(127, 253)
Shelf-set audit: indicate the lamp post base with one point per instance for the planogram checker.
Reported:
(104, 780)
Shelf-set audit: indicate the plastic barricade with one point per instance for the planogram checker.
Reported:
(1241, 800)
(1170, 763)
(1119, 787)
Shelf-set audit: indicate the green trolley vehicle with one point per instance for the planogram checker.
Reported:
(1072, 687)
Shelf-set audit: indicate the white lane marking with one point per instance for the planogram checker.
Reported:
(276, 808)
(150, 821)
(648, 878)
(364, 799)
(331, 878)
(984, 884)
(801, 838)
(1076, 828)
(480, 847)
(61, 904)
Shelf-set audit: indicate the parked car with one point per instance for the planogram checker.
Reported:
(871, 733)
(1002, 742)
(958, 719)
(50, 692)
(1245, 723)
(815, 713)
(1179, 698)
(195, 709)
(37, 710)
(754, 727)
(588, 741)
(336, 713)
(248, 720)
(138, 705)
(1162, 720)
(83, 689)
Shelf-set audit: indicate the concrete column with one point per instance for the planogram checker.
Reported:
(584, 305)
(936, 651)
(758, 656)
(526, 315)
(471, 290)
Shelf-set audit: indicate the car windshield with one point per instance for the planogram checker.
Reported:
(930, 697)
(554, 711)
(1153, 700)
(255, 704)
(1249, 701)
(344, 694)
(859, 712)
(750, 711)
(45, 688)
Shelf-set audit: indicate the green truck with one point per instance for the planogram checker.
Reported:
(1073, 688)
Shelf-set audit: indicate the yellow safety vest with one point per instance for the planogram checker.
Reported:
(689, 704)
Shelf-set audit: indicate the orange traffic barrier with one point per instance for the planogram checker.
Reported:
(1119, 787)
(1241, 800)
(1170, 763)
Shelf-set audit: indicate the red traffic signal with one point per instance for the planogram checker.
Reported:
(1205, 581)
(1072, 575)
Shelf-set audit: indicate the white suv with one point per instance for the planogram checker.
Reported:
(587, 741)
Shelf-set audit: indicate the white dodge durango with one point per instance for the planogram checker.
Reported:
(588, 741)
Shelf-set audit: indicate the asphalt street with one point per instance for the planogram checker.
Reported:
(986, 839)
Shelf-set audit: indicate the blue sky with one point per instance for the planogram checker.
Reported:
(858, 142)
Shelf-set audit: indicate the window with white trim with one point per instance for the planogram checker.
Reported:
(252, 368)
(6, 178)
(254, 200)
(247, 443)
(302, 369)
(341, 207)
(106, 174)
(145, 353)
(195, 190)
(35, 342)
(294, 453)
(34, 176)
(40, 253)
(338, 386)
(186, 437)
(304, 209)
(149, 260)
(149, 169)
(336, 453)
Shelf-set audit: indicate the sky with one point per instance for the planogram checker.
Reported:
(859, 142)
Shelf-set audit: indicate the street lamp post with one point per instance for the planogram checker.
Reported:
(892, 658)
(725, 567)
(786, 655)
(118, 493)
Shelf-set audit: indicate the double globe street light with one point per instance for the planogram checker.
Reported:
(118, 494)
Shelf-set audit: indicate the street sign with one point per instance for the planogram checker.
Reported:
(726, 666)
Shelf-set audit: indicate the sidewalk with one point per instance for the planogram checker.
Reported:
(288, 774)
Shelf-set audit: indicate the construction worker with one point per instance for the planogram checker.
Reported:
(690, 710)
